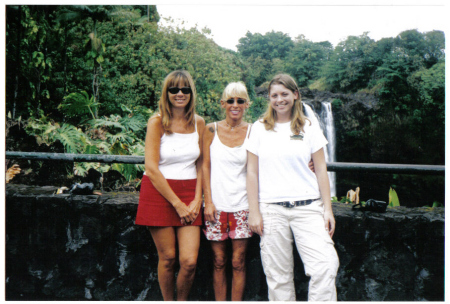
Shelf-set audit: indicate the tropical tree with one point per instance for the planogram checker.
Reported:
(94, 54)
(29, 59)
(260, 51)
(351, 65)
(306, 58)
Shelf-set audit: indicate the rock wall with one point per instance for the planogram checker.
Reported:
(70, 247)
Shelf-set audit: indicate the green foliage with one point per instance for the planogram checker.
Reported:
(351, 65)
(393, 198)
(118, 56)
(264, 54)
(305, 60)
(343, 200)
(77, 104)
(336, 103)
(257, 108)
(268, 46)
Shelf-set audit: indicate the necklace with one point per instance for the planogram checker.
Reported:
(234, 126)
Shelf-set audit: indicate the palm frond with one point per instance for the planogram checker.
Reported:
(105, 122)
(70, 137)
(129, 171)
(123, 137)
(134, 123)
(79, 103)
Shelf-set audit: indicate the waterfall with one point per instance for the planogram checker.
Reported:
(328, 128)
(326, 123)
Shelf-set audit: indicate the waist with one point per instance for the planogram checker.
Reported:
(291, 204)
(174, 172)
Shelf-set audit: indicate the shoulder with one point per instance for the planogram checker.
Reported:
(311, 125)
(257, 125)
(155, 120)
(200, 121)
(154, 123)
(258, 122)
(211, 127)
(200, 124)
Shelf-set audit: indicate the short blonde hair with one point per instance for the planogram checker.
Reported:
(298, 119)
(165, 107)
(235, 89)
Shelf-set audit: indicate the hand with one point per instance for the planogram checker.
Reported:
(195, 206)
(255, 222)
(311, 166)
(330, 223)
(185, 213)
(210, 212)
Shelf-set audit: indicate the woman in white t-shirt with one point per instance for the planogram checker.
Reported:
(287, 201)
(224, 189)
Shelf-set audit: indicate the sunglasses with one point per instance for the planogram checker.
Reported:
(184, 90)
(239, 101)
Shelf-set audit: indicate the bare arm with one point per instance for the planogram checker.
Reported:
(196, 204)
(152, 156)
(324, 187)
(255, 219)
(210, 211)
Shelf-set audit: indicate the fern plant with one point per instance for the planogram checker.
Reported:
(114, 135)
(76, 104)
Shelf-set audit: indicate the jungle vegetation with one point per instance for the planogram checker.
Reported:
(89, 77)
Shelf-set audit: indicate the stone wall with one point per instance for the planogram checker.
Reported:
(70, 247)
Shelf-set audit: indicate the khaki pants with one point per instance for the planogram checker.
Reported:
(304, 225)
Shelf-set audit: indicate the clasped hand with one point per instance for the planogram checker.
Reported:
(188, 213)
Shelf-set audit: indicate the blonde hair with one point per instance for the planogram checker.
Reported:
(235, 89)
(165, 107)
(298, 119)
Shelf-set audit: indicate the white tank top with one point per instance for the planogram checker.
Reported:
(178, 154)
(228, 175)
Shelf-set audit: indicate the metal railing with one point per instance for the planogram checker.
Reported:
(332, 166)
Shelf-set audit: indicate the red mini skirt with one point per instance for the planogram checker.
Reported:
(155, 210)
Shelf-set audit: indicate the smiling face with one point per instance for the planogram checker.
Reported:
(179, 99)
(235, 110)
(282, 100)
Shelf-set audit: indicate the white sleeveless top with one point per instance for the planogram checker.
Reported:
(177, 155)
(228, 175)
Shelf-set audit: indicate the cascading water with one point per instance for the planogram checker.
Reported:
(327, 125)
(328, 128)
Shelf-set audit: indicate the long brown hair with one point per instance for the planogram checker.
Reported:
(298, 119)
(165, 107)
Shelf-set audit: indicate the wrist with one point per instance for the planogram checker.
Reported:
(177, 204)
(328, 210)
(253, 210)
(208, 203)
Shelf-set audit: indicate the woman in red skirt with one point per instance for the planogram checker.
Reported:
(171, 192)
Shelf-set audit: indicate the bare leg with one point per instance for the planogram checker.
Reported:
(239, 269)
(164, 238)
(188, 245)
(219, 271)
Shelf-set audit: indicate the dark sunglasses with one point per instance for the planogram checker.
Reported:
(239, 101)
(184, 90)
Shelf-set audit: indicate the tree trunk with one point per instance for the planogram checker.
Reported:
(18, 65)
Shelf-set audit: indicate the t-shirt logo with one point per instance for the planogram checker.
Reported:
(297, 137)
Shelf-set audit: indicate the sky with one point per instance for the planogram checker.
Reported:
(323, 21)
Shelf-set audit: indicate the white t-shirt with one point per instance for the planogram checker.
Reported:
(228, 175)
(283, 161)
